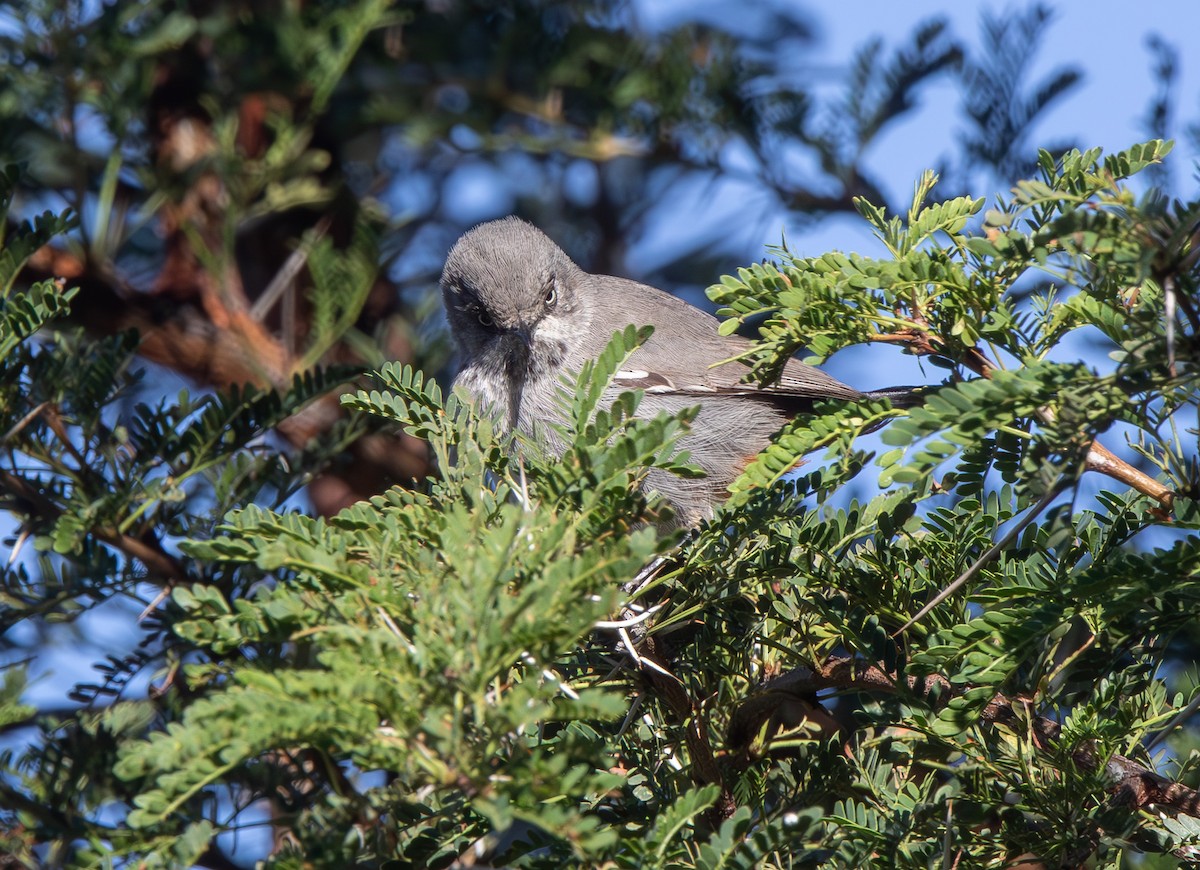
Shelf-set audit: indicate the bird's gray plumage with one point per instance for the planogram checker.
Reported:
(523, 315)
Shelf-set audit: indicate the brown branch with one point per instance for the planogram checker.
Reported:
(1128, 782)
(705, 770)
(197, 316)
(148, 550)
(180, 336)
(1099, 457)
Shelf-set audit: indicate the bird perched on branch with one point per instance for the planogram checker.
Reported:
(524, 315)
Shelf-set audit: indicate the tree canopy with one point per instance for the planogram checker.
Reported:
(360, 625)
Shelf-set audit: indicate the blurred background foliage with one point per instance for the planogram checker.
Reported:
(258, 191)
(218, 155)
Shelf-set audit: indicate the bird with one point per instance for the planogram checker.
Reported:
(524, 315)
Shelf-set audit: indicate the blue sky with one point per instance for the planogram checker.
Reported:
(1105, 39)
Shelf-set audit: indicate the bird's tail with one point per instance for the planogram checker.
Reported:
(900, 397)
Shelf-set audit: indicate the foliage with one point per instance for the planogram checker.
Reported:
(267, 187)
(102, 486)
(428, 674)
(442, 674)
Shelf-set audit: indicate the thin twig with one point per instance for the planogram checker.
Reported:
(563, 685)
(643, 577)
(947, 863)
(1179, 718)
(521, 487)
(1169, 318)
(149, 552)
(638, 660)
(1132, 783)
(24, 421)
(633, 709)
(153, 605)
(288, 271)
(16, 550)
(1099, 457)
(991, 553)
(633, 620)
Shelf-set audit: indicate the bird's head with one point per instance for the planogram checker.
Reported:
(511, 298)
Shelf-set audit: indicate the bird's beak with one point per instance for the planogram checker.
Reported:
(525, 333)
(517, 343)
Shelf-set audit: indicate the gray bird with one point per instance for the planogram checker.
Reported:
(524, 315)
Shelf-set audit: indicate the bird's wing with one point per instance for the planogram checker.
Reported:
(686, 356)
(728, 378)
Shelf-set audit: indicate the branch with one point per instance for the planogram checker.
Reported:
(689, 713)
(983, 560)
(182, 338)
(1099, 457)
(1130, 783)
(148, 550)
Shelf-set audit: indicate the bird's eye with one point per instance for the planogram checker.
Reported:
(479, 313)
(552, 294)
